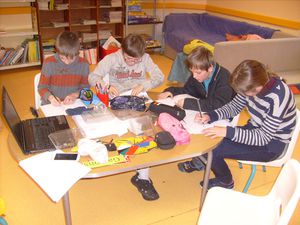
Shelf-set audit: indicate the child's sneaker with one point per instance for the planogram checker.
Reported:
(145, 187)
(215, 182)
(190, 166)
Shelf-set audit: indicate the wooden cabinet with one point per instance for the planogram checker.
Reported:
(93, 20)
(19, 39)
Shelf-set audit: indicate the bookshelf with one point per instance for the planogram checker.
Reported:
(17, 29)
(93, 20)
(146, 21)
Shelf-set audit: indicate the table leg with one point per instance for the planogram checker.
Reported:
(67, 209)
(206, 178)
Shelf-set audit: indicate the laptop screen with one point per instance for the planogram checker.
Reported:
(11, 116)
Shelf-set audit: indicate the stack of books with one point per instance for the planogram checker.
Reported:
(87, 22)
(115, 16)
(116, 3)
(136, 15)
(89, 54)
(28, 51)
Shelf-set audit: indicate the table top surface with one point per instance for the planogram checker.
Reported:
(198, 145)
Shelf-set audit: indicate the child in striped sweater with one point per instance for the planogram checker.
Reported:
(272, 109)
(65, 73)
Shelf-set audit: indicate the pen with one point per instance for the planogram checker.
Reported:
(57, 99)
(199, 107)
(34, 112)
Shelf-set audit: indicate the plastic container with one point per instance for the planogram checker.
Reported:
(65, 138)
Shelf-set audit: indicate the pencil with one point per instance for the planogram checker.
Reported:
(199, 107)
(57, 99)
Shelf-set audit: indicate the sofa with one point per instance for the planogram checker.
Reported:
(281, 55)
(180, 28)
(279, 51)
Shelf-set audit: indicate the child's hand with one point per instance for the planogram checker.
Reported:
(215, 132)
(70, 99)
(180, 103)
(138, 89)
(164, 95)
(54, 100)
(202, 119)
(113, 91)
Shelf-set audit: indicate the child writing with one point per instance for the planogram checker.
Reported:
(272, 110)
(65, 73)
(127, 70)
(208, 86)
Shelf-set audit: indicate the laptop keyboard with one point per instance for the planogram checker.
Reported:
(42, 127)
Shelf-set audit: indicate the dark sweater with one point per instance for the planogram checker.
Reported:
(219, 92)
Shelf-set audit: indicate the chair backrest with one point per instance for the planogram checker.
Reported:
(286, 190)
(290, 149)
(37, 97)
(288, 152)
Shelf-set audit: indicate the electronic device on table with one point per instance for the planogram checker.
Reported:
(31, 134)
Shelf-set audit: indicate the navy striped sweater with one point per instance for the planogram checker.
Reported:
(272, 112)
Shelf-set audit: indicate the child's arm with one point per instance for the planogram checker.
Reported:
(156, 76)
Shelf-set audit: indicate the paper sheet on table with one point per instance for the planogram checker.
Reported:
(55, 177)
(142, 95)
(51, 110)
(103, 128)
(196, 128)
(172, 101)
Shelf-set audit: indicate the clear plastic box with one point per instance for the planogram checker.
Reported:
(142, 125)
(65, 138)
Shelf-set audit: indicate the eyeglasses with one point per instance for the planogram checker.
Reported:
(128, 58)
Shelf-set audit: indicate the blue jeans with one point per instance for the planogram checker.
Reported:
(232, 150)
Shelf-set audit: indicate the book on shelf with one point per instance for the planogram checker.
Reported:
(116, 3)
(87, 22)
(18, 55)
(60, 24)
(90, 55)
(61, 6)
(33, 51)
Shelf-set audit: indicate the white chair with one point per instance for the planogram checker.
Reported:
(277, 162)
(229, 207)
(37, 97)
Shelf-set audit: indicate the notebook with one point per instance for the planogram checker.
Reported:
(31, 134)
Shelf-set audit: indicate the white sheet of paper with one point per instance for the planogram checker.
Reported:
(103, 128)
(55, 177)
(172, 101)
(197, 128)
(51, 110)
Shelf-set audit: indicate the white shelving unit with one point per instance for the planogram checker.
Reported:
(15, 28)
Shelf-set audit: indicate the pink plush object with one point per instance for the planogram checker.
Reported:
(171, 124)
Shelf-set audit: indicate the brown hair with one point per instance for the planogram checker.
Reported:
(200, 58)
(248, 75)
(134, 45)
(67, 43)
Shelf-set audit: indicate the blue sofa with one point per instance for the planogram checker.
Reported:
(180, 28)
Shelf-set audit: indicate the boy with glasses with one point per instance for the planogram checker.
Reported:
(64, 74)
(127, 68)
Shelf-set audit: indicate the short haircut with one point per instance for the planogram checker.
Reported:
(248, 75)
(67, 43)
(134, 45)
(200, 58)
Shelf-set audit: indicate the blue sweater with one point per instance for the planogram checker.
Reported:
(272, 112)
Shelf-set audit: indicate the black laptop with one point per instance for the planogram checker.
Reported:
(31, 134)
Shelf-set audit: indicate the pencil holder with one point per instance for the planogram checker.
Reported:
(103, 98)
